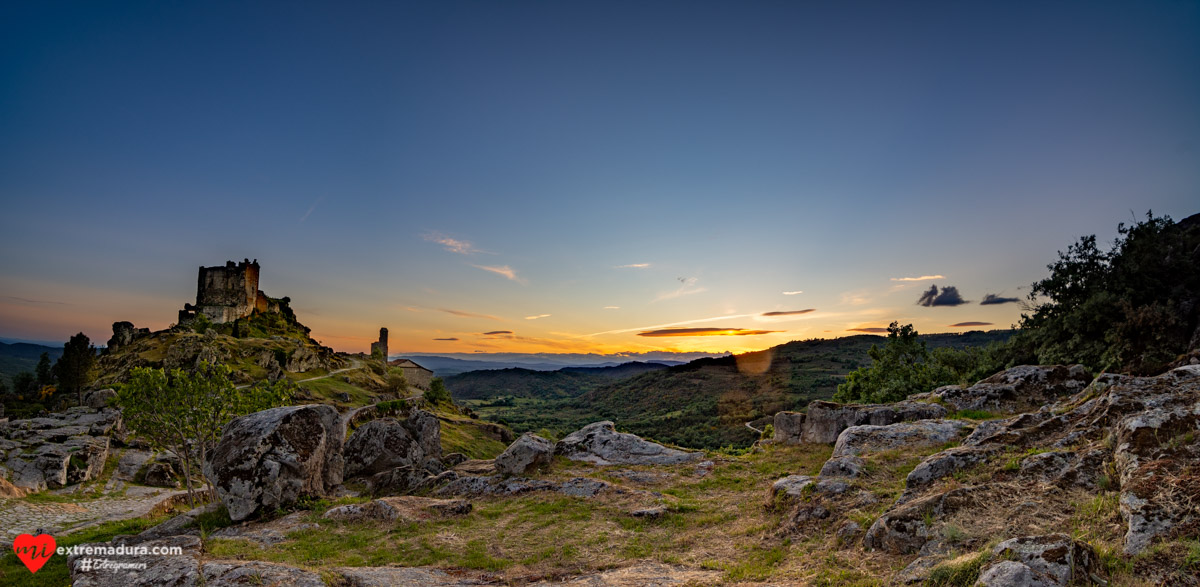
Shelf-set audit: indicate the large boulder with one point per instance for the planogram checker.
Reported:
(388, 443)
(529, 452)
(271, 458)
(99, 398)
(788, 426)
(857, 440)
(826, 420)
(947, 462)
(1011, 390)
(599, 443)
(1052, 559)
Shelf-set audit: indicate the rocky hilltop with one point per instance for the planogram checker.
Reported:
(1098, 484)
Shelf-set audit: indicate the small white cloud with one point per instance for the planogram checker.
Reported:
(612, 307)
(452, 244)
(633, 266)
(310, 209)
(792, 293)
(538, 316)
(503, 270)
(921, 278)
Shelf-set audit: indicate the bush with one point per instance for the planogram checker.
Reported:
(1131, 307)
(438, 394)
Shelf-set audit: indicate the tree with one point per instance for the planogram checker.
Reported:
(898, 369)
(45, 372)
(24, 383)
(1132, 307)
(184, 412)
(397, 383)
(438, 394)
(74, 367)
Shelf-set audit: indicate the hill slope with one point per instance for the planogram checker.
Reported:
(706, 403)
(22, 356)
(527, 383)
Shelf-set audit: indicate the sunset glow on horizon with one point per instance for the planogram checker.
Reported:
(581, 177)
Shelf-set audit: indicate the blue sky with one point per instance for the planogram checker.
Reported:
(450, 169)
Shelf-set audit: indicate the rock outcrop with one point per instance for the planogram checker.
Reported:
(387, 443)
(58, 449)
(529, 452)
(1053, 559)
(1018, 388)
(857, 440)
(407, 508)
(599, 443)
(271, 458)
(788, 427)
(826, 420)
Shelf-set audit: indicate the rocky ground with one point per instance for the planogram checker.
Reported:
(1097, 484)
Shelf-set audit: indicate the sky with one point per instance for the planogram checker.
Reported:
(586, 177)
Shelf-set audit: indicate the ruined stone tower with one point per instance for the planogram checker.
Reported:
(382, 345)
(226, 293)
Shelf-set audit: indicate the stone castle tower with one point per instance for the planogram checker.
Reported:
(382, 345)
(227, 293)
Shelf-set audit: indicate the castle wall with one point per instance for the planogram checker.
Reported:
(226, 293)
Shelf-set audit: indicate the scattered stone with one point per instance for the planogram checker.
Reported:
(645, 574)
(271, 458)
(651, 513)
(704, 468)
(599, 443)
(269, 533)
(408, 508)
(527, 453)
(848, 466)
(497, 485)
(454, 459)
(947, 462)
(99, 399)
(789, 490)
(848, 532)
(832, 486)
(859, 439)
(826, 420)
(161, 475)
(1010, 574)
(919, 570)
(788, 426)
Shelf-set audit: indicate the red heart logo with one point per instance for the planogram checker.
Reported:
(34, 551)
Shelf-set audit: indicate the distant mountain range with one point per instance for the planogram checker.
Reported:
(541, 384)
(704, 403)
(23, 356)
(444, 366)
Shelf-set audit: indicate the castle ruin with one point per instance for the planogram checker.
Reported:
(381, 346)
(228, 293)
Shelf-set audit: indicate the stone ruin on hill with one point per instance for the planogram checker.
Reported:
(228, 293)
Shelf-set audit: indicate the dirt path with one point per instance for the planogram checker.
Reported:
(20, 516)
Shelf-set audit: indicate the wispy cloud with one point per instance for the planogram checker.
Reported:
(868, 330)
(789, 312)
(612, 307)
(633, 266)
(857, 297)
(992, 299)
(445, 338)
(793, 293)
(29, 301)
(497, 332)
(682, 323)
(964, 324)
(310, 210)
(949, 296)
(537, 317)
(687, 287)
(704, 332)
(462, 314)
(453, 245)
(503, 270)
(921, 278)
